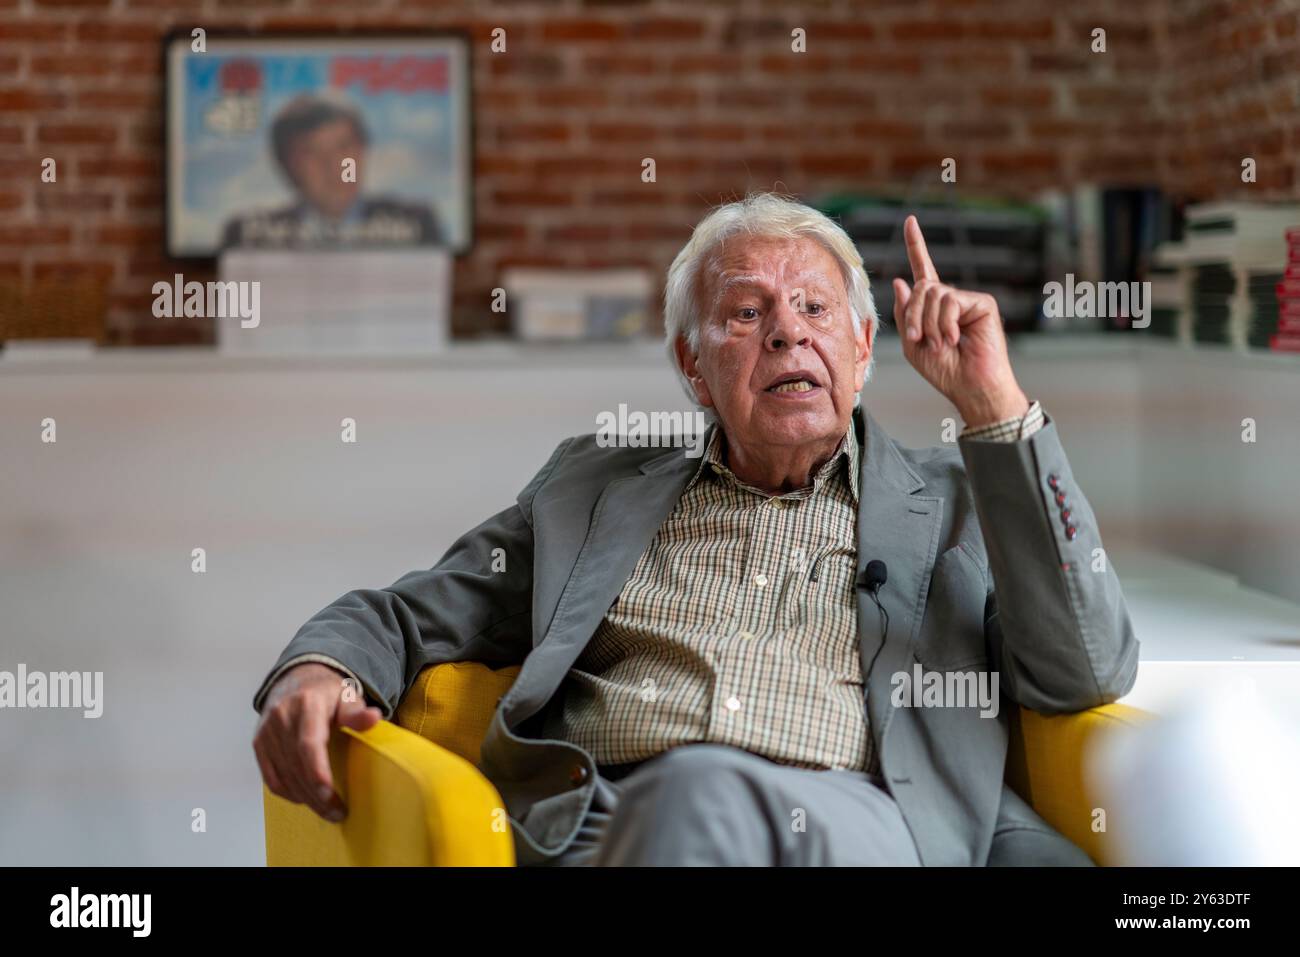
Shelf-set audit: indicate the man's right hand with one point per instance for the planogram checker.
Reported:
(298, 714)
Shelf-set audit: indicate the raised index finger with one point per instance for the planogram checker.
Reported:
(917, 254)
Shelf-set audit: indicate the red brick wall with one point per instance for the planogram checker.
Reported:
(709, 89)
(1232, 90)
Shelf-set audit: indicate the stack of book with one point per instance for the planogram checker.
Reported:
(1286, 338)
(1236, 258)
(1213, 287)
(994, 246)
(1168, 299)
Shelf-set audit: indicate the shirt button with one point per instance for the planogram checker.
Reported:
(760, 580)
(746, 636)
(733, 703)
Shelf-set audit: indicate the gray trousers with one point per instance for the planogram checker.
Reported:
(717, 805)
(713, 804)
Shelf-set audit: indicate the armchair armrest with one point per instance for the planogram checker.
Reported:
(1047, 765)
(410, 803)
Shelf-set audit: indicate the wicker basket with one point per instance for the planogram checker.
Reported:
(53, 308)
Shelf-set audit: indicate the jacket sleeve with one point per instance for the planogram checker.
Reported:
(1056, 624)
(475, 604)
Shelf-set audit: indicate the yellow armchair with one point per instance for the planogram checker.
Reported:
(415, 796)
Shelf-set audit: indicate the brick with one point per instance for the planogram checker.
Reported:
(579, 232)
(520, 133)
(1019, 98)
(580, 31)
(12, 101)
(120, 167)
(67, 66)
(756, 32)
(666, 28)
(535, 66)
(1014, 28)
(840, 31)
(608, 65)
(845, 164)
(969, 131)
(34, 31)
(109, 99)
(100, 32)
(515, 198)
(1021, 161)
(33, 235)
(129, 235)
(75, 134)
(884, 62)
(621, 132)
(571, 97)
(51, 199)
(74, 271)
(710, 132)
(929, 31)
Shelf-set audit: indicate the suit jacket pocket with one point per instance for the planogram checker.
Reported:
(952, 632)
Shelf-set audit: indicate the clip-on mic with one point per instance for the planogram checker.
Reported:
(873, 577)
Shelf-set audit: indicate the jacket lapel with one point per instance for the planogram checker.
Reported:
(624, 521)
(900, 528)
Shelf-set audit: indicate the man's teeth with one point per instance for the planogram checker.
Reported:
(800, 385)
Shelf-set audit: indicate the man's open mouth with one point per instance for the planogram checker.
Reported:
(793, 382)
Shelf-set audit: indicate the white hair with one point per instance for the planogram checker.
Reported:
(768, 215)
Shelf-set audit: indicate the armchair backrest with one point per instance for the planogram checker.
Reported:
(452, 704)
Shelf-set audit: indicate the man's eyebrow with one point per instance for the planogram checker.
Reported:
(731, 281)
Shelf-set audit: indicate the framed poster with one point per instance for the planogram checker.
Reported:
(296, 142)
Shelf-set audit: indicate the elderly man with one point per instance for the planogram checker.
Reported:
(712, 647)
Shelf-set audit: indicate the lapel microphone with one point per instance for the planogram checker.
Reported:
(874, 575)
(872, 578)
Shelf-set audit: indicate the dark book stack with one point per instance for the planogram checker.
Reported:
(1286, 307)
(1213, 285)
(1261, 291)
(993, 246)
(1166, 300)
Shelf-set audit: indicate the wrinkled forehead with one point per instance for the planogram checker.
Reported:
(774, 263)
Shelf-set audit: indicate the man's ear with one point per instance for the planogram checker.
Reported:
(862, 359)
(687, 361)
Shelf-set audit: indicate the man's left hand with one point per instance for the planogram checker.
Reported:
(954, 338)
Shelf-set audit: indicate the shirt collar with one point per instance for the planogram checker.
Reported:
(848, 456)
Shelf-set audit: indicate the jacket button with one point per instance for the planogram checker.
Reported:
(1060, 498)
(1065, 515)
(578, 774)
(1053, 482)
(1070, 532)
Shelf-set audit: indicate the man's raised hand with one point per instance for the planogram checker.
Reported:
(954, 339)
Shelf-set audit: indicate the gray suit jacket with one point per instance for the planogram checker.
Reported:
(982, 575)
